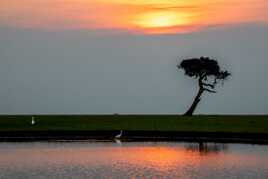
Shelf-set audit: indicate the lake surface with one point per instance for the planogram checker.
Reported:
(132, 160)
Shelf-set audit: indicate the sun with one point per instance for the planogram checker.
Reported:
(162, 19)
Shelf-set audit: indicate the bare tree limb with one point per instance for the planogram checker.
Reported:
(210, 91)
(208, 85)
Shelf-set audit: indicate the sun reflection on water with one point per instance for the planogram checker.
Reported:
(131, 160)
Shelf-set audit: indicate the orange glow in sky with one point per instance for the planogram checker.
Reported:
(146, 16)
(162, 19)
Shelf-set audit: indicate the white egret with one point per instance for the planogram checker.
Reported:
(119, 135)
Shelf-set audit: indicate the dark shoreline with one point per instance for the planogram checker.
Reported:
(133, 136)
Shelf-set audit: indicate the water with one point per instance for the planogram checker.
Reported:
(132, 160)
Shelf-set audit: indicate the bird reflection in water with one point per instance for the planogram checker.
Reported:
(118, 142)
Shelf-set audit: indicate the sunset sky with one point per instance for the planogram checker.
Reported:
(140, 16)
(120, 56)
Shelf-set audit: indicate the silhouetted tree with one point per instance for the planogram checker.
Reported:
(207, 72)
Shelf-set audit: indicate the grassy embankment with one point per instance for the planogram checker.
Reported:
(231, 124)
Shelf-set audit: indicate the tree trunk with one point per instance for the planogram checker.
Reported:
(195, 103)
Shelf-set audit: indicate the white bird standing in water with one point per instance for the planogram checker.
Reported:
(119, 135)
(33, 121)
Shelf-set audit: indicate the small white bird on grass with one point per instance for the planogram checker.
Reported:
(33, 121)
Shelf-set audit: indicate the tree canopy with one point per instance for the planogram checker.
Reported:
(205, 69)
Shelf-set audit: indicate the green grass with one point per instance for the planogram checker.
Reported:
(235, 124)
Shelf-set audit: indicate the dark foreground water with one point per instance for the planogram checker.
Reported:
(132, 160)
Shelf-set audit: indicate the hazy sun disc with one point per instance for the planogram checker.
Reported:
(162, 19)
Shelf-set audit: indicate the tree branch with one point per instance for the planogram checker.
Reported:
(208, 85)
(210, 91)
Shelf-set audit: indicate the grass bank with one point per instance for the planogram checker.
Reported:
(161, 123)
